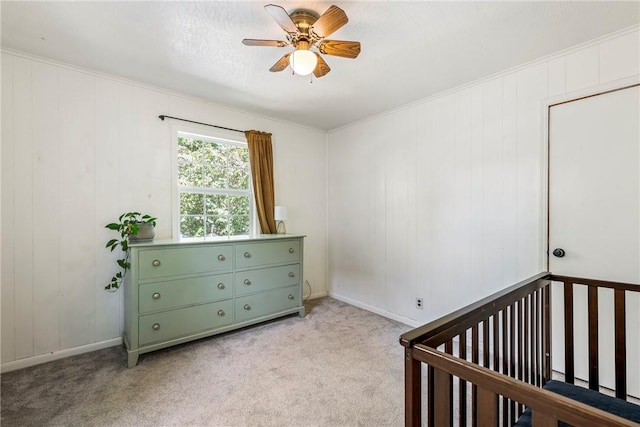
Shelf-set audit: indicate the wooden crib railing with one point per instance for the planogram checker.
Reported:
(494, 356)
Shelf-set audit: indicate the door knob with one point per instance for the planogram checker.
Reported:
(558, 252)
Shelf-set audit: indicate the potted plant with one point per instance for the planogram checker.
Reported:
(132, 226)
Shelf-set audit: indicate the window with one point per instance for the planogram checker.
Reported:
(214, 188)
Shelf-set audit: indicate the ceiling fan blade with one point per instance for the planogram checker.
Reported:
(329, 22)
(257, 42)
(322, 68)
(281, 17)
(281, 64)
(343, 48)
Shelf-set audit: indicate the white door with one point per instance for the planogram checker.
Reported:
(594, 217)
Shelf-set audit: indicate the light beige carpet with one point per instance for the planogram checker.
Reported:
(339, 366)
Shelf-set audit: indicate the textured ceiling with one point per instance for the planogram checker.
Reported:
(410, 50)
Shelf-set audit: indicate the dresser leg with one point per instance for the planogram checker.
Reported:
(132, 359)
(301, 312)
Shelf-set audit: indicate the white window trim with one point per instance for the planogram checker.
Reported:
(229, 137)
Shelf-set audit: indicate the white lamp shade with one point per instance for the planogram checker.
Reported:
(280, 213)
(303, 62)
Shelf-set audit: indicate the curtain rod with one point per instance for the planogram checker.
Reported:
(162, 117)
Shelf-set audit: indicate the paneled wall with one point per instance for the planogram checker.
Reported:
(78, 149)
(443, 199)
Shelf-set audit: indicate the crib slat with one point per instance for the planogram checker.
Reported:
(512, 356)
(474, 388)
(520, 334)
(546, 353)
(485, 354)
(504, 319)
(413, 388)
(487, 408)
(443, 407)
(485, 343)
(568, 333)
(594, 380)
(496, 342)
(495, 334)
(430, 397)
(526, 339)
(462, 390)
(535, 349)
(448, 348)
(534, 338)
(621, 344)
(543, 420)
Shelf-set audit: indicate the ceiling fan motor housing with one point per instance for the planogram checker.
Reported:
(303, 20)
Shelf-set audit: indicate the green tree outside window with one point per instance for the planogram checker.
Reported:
(214, 188)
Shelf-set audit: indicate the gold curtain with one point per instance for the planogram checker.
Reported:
(261, 160)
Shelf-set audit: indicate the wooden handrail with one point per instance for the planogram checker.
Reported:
(633, 287)
(447, 327)
(544, 404)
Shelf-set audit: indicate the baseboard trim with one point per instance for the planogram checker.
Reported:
(49, 357)
(376, 310)
(318, 295)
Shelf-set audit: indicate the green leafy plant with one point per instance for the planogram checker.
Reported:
(128, 224)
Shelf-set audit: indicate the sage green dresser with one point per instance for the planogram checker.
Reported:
(178, 291)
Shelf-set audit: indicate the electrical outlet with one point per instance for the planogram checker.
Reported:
(419, 304)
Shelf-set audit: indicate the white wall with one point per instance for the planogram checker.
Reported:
(78, 149)
(440, 199)
(443, 199)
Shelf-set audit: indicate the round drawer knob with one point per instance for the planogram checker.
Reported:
(156, 263)
(156, 326)
(221, 286)
(247, 282)
(156, 295)
(221, 257)
(291, 296)
(247, 307)
(221, 313)
(290, 250)
(247, 255)
(291, 274)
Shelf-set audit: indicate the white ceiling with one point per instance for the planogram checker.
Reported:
(410, 50)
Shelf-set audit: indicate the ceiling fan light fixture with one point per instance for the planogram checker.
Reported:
(304, 30)
(303, 62)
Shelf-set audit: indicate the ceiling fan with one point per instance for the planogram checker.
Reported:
(305, 30)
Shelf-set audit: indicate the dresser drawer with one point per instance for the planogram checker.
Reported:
(263, 304)
(250, 281)
(182, 292)
(265, 253)
(184, 321)
(157, 263)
